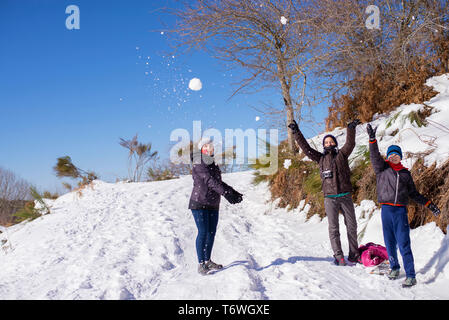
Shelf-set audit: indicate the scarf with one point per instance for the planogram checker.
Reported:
(396, 167)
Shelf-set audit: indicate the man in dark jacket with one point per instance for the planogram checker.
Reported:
(205, 202)
(336, 185)
(394, 188)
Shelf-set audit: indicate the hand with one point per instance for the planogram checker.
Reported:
(294, 126)
(238, 196)
(434, 209)
(371, 132)
(233, 196)
(354, 124)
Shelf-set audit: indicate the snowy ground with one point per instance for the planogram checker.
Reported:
(137, 241)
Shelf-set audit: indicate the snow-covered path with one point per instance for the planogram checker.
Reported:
(137, 241)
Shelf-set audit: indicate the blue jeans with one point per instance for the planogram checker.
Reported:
(396, 232)
(206, 221)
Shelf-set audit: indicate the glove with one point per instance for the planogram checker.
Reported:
(238, 196)
(294, 126)
(354, 124)
(233, 196)
(371, 132)
(434, 209)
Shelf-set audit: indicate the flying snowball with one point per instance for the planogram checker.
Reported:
(284, 20)
(195, 84)
(257, 118)
(287, 163)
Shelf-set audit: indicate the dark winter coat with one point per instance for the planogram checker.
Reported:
(337, 163)
(207, 184)
(393, 187)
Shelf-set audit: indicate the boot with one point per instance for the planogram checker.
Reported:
(355, 259)
(339, 261)
(409, 282)
(203, 269)
(213, 266)
(393, 274)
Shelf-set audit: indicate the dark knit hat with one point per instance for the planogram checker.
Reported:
(333, 138)
(394, 149)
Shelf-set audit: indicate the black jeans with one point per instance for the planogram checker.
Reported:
(206, 221)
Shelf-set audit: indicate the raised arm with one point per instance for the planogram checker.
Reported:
(350, 138)
(377, 161)
(303, 144)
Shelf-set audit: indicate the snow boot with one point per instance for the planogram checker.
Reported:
(340, 261)
(409, 282)
(355, 259)
(213, 266)
(203, 269)
(393, 274)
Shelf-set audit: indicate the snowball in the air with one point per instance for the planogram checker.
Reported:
(257, 118)
(284, 20)
(287, 163)
(195, 84)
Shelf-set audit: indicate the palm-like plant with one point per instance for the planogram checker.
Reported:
(139, 155)
(65, 168)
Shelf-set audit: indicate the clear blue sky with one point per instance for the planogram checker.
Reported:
(76, 92)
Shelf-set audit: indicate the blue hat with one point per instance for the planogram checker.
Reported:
(394, 149)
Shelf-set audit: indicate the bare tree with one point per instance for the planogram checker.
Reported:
(438, 33)
(354, 50)
(272, 41)
(14, 192)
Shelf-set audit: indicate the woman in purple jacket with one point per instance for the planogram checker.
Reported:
(205, 201)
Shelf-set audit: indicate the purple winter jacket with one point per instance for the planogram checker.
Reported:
(207, 184)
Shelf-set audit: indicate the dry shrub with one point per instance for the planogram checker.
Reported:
(433, 183)
(82, 185)
(301, 181)
(286, 186)
(380, 92)
(366, 186)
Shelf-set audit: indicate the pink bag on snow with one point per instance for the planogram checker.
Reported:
(372, 254)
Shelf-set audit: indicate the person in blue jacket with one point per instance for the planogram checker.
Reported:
(394, 188)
